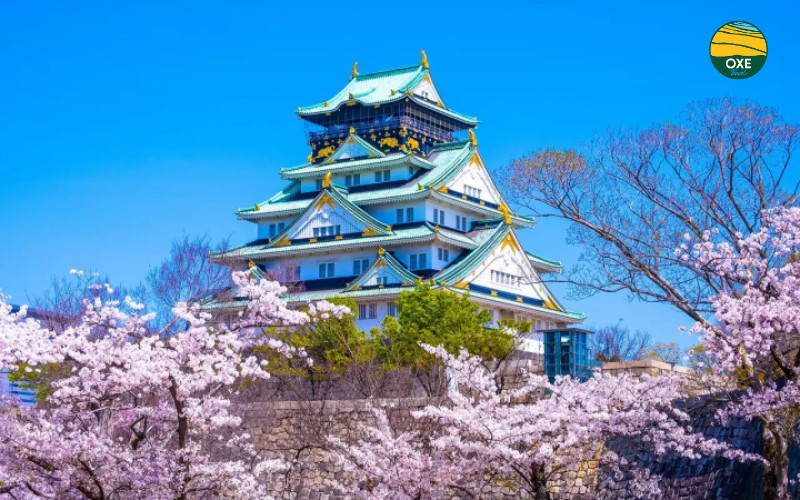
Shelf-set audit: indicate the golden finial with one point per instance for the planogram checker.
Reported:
(389, 227)
(350, 96)
(424, 61)
(257, 207)
(310, 157)
(355, 71)
(443, 283)
(326, 181)
(381, 251)
(419, 281)
(352, 130)
(393, 92)
(506, 213)
(250, 264)
(472, 138)
(419, 187)
(436, 228)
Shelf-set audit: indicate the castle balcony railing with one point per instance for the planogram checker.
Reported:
(380, 124)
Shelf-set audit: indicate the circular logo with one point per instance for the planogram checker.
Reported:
(738, 50)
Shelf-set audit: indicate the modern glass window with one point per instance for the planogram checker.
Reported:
(326, 270)
(359, 266)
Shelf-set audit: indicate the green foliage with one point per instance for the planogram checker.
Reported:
(38, 378)
(444, 318)
(334, 344)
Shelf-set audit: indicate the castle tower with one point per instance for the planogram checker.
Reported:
(394, 191)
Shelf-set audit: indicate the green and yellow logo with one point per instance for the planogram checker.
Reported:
(738, 50)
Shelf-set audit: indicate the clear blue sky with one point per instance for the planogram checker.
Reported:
(125, 126)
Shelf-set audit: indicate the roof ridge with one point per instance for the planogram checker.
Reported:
(386, 72)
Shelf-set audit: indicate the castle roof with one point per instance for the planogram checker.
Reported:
(384, 87)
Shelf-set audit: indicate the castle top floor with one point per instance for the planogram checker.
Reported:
(402, 102)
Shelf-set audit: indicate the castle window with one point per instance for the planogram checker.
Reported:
(400, 215)
(327, 231)
(506, 279)
(383, 280)
(472, 191)
(383, 175)
(438, 216)
(410, 214)
(319, 184)
(367, 311)
(418, 261)
(352, 180)
(281, 226)
(359, 266)
(272, 230)
(392, 309)
(444, 254)
(326, 270)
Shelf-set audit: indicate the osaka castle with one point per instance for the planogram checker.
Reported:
(394, 192)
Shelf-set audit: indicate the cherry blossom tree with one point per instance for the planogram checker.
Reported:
(518, 439)
(754, 337)
(139, 413)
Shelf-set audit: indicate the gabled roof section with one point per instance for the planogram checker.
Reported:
(331, 197)
(387, 265)
(354, 147)
(310, 170)
(384, 87)
(544, 265)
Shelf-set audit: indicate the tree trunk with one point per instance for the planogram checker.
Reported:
(776, 473)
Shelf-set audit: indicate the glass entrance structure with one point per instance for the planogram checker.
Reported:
(566, 353)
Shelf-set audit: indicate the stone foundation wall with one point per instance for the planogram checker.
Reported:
(296, 431)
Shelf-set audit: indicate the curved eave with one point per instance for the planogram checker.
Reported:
(357, 165)
(318, 109)
(389, 241)
(483, 298)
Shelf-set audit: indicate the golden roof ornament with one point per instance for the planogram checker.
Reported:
(350, 96)
(472, 138)
(250, 264)
(506, 213)
(326, 181)
(381, 251)
(310, 158)
(424, 61)
(257, 207)
(355, 71)
(352, 130)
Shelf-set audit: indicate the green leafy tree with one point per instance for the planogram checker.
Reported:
(449, 319)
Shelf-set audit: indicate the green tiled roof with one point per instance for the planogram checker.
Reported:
(333, 193)
(392, 263)
(445, 162)
(541, 262)
(381, 88)
(423, 232)
(371, 150)
(564, 314)
(459, 269)
(310, 170)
